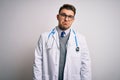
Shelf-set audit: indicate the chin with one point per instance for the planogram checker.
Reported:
(64, 27)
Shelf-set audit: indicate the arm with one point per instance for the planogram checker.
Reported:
(37, 67)
(85, 62)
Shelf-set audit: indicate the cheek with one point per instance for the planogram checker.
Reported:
(70, 23)
(61, 21)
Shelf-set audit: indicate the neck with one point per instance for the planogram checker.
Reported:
(62, 28)
(59, 30)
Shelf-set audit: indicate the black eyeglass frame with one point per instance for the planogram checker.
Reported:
(70, 17)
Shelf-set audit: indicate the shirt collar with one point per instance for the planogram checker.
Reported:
(59, 31)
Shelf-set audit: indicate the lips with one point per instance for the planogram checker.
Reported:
(64, 23)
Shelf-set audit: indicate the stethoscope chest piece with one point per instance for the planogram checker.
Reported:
(77, 49)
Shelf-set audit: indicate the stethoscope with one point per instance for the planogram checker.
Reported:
(76, 42)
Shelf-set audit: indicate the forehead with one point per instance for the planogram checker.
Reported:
(67, 12)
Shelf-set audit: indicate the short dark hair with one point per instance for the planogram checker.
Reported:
(68, 7)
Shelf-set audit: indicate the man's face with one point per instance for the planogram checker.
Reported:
(65, 19)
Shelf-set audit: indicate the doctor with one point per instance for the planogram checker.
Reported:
(62, 53)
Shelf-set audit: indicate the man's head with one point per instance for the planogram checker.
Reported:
(66, 16)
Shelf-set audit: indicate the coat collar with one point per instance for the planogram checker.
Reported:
(71, 40)
(53, 35)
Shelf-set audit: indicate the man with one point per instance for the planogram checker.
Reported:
(62, 53)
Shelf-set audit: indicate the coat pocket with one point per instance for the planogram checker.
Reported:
(76, 77)
(75, 64)
(45, 77)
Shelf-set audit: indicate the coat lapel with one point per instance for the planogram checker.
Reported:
(71, 40)
(56, 37)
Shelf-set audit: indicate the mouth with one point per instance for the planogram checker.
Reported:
(64, 23)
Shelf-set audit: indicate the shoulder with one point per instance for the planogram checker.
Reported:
(49, 33)
(81, 39)
(44, 36)
(78, 34)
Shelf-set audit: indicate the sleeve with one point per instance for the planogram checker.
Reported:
(37, 66)
(85, 62)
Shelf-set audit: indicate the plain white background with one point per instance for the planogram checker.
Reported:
(22, 21)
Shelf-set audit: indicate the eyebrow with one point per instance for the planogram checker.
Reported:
(66, 14)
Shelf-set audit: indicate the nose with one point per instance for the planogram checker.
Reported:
(66, 18)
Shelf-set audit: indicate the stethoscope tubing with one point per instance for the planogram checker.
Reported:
(76, 42)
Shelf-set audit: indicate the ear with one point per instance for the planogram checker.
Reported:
(57, 17)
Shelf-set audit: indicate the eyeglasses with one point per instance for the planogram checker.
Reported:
(70, 17)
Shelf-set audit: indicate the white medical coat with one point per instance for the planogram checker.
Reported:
(47, 53)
